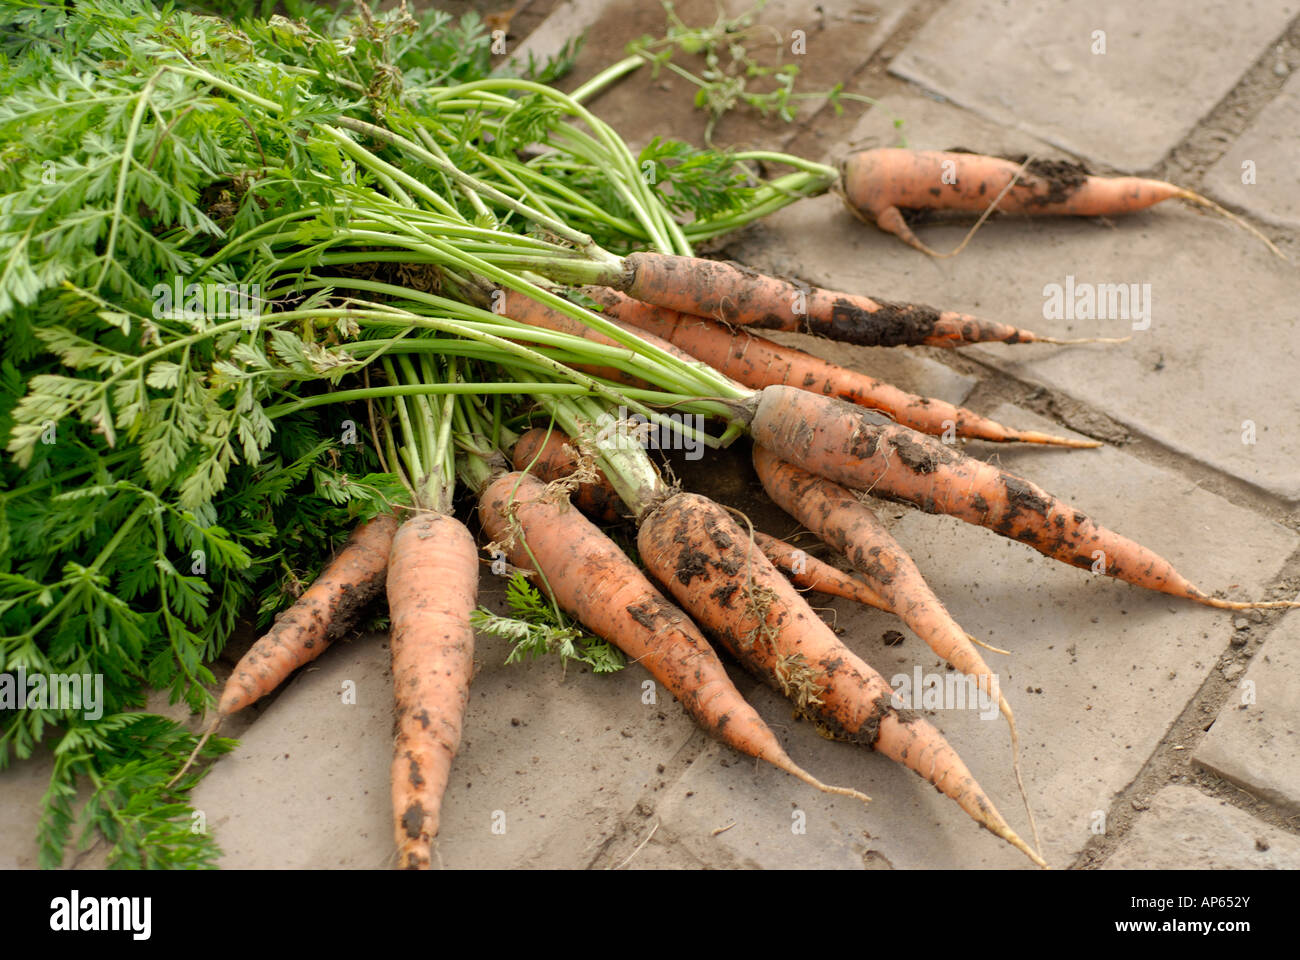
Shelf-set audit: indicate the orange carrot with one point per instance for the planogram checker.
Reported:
(851, 527)
(880, 184)
(861, 449)
(596, 582)
(735, 294)
(693, 547)
(549, 456)
(325, 612)
(432, 590)
(758, 362)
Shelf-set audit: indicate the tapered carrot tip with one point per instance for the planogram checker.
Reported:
(1247, 604)
(1034, 436)
(790, 767)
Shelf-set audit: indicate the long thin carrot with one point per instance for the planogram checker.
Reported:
(324, 613)
(432, 590)
(596, 582)
(863, 450)
(736, 294)
(692, 546)
(851, 527)
(758, 362)
(880, 184)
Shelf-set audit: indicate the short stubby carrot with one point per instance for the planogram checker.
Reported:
(693, 547)
(758, 362)
(550, 456)
(736, 294)
(432, 590)
(865, 451)
(880, 184)
(594, 580)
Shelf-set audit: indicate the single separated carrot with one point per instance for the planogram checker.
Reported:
(839, 518)
(325, 612)
(863, 450)
(594, 580)
(692, 546)
(880, 184)
(758, 362)
(736, 294)
(432, 590)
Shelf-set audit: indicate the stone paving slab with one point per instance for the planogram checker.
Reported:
(1215, 365)
(1270, 145)
(1166, 64)
(1255, 742)
(1186, 830)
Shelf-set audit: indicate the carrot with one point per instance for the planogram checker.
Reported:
(880, 184)
(549, 456)
(595, 581)
(809, 573)
(860, 449)
(735, 294)
(758, 362)
(692, 546)
(432, 589)
(325, 612)
(838, 517)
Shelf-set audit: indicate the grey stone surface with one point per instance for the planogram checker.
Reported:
(1186, 830)
(1255, 741)
(1032, 66)
(1271, 145)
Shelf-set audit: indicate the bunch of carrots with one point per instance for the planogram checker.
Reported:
(541, 314)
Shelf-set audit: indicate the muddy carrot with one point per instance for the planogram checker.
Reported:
(736, 294)
(881, 184)
(758, 362)
(693, 546)
(432, 590)
(863, 450)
